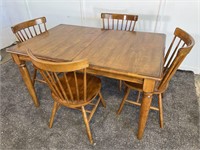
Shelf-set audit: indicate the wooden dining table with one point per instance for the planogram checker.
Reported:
(124, 55)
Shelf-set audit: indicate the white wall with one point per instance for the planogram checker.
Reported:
(6, 36)
(154, 16)
(184, 14)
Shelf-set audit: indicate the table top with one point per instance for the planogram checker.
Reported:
(138, 54)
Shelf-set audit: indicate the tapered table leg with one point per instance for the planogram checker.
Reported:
(148, 88)
(26, 77)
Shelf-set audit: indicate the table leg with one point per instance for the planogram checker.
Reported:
(26, 77)
(148, 88)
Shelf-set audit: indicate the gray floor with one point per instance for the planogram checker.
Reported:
(25, 127)
(4, 56)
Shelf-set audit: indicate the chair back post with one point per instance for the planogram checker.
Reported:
(179, 51)
(56, 76)
(85, 84)
(28, 29)
(113, 21)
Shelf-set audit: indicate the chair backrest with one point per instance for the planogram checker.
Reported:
(119, 21)
(180, 46)
(28, 29)
(56, 76)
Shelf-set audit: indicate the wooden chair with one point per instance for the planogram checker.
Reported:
(28, 29)
(119, 22)
(70, 88)
(180, 46)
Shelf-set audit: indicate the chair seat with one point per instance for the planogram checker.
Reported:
(93, 88)
(135, 86)
(139, 87)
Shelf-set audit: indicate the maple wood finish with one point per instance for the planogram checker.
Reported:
(180, 46)
(119, 22)
(26, 77)
(140, 61)
(69, 88)
(28, 29)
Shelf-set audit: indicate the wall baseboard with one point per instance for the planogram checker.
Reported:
(196, 70)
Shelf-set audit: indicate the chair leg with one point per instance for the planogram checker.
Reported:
(127, 91)
(160, 109)
(87, 124)
(120, 85)
(34, 76)
(138, 97)
(54, 110)
(102, 100)
(162, 94)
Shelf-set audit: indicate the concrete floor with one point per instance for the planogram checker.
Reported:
(4, 56)
(197, 84)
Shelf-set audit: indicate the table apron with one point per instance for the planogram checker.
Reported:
(102, 72)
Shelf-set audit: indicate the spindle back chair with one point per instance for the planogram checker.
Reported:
(71, 86)
(113, 21)
(28, 29)
(179, 48)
